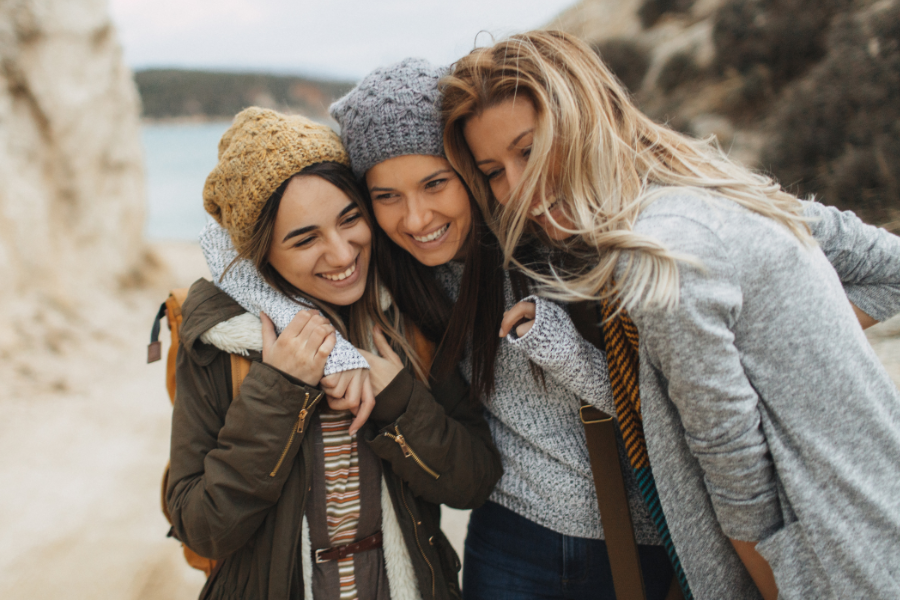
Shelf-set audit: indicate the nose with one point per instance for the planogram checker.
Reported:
(341, 251)
(507, 182)
(418, 213)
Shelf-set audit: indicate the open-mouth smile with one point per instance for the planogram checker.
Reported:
(342, 275)
(542, 208)
(431, 236)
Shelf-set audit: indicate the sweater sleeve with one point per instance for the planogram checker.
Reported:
(245, 285)
(866, 258)
(555, 345)
(693, 347)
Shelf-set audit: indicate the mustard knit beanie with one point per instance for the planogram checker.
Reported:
(261, 150)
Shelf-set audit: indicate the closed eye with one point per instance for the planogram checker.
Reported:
(384, 196)
(493, 173)
(352, 218)
(435, 184)
(304, 242)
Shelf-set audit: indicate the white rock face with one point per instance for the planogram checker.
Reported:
(71, 164)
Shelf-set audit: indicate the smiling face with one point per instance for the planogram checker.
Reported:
(422, 205)
(501, 138)
(320, 243)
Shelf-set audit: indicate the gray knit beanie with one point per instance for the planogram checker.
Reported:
(393, 111)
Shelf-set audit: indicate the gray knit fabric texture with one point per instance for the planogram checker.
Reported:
(394, 111)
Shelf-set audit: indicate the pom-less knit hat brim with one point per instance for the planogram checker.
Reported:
(393, 111)
(261, 150)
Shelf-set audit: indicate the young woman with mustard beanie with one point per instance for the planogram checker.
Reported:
(272, 480)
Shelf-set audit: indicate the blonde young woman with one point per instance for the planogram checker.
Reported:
(763, 431)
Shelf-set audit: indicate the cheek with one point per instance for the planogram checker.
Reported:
(388, 219)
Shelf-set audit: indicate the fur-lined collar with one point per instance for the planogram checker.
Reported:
(237, 335)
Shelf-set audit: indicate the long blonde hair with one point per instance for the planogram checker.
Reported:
(601, 158)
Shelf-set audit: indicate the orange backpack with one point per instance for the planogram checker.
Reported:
(240, 366)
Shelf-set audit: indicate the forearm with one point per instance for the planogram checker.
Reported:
(555, 346)
(245, 285)
(866, 258)
(760, 570)
(446, 454)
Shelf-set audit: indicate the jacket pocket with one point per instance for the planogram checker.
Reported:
(798, 572)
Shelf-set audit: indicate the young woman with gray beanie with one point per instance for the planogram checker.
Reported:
(540, 534)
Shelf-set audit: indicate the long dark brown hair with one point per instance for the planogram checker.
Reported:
(475, 316)
(363, 313)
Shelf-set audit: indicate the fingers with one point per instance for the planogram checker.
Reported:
(354, 390)
(519, 312)
(338, 404)
(366, 406)
(299, 322)
(384, 347)
(268, 331)
(325, 349)
(336, 383)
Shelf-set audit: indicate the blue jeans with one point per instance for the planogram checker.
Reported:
(509, 557)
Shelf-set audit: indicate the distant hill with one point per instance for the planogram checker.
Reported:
(174, 93)
(808, 90)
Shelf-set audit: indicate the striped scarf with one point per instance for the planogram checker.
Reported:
(621, 339)
(341, 491)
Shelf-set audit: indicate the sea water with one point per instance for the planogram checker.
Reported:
(178, 159)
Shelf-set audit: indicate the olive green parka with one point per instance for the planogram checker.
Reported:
(241, 469)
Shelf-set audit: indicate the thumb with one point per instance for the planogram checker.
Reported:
(268, 331)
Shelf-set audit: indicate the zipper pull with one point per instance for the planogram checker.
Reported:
(402, 441)
(301, 421)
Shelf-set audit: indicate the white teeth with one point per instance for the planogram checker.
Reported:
(341, 276)
(541, 209)
(432, 236)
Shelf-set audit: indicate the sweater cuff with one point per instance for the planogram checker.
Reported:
(876, 301)
(393, 400)
(749, 521)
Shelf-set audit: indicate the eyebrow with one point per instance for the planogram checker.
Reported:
(303, 230)
(435, 174)
(423, 180)
(512, 145)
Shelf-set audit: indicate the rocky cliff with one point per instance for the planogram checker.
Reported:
(71, 174)
(806, 89)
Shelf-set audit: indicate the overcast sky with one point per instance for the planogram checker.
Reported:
(333, 38)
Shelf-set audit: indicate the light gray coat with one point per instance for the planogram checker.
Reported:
(767, 415)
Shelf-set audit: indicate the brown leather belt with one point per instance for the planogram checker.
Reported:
(327, 554)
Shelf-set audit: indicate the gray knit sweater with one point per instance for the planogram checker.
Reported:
(767, 415)
(546, 469)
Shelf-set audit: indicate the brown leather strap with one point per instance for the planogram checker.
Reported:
(240, 366)
(612, 499)
(338, 552)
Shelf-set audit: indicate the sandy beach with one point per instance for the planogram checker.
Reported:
(84, 435)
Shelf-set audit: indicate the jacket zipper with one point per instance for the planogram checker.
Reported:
(408, 452)
(297, 428)
(416, 533)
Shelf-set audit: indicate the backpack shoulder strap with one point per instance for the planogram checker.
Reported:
(240, 366)
(174, 317)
